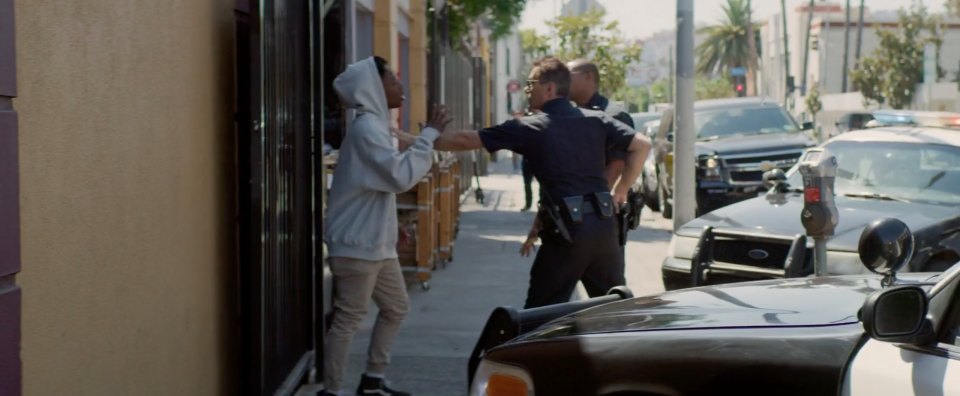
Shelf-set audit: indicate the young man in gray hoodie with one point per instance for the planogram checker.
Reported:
(361, 220)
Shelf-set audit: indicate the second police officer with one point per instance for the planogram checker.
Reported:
(567, 149)
(585, 92)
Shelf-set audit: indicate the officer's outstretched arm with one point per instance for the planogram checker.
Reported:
(458, 141)
(638, 150)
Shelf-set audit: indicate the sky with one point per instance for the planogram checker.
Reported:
(641, 18)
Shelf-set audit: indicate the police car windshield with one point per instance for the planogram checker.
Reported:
(913, 172)
(719, 123)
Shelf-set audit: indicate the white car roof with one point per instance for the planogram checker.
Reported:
(904, 134)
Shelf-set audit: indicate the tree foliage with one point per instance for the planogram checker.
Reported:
(813, 101)
(659, 92)
(953, 7)
(500, 16)
(716, 88)
(725, 45)
(533, 45)
(588, 36)
(891, 73)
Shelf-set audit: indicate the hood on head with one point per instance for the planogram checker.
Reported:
(360, 88)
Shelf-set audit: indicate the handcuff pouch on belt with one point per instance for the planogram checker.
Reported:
(604, 203)
(573, 206)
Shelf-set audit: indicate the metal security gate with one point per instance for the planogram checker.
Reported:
(10, 295)
(275, 193)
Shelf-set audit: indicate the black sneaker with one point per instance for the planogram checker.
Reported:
(376, 387)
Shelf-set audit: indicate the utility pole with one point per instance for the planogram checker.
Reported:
(786, 53)
(671, 76)
(856, 56)
(806, 49)
(751, 53)
(684, 189)
(846, 47)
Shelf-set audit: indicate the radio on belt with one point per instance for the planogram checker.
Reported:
(819, 216)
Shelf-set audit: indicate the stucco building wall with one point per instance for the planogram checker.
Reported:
(126, 173)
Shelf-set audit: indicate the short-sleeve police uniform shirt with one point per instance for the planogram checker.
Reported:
(601, 103)
(567, 147)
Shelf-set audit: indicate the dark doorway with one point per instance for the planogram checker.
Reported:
(275, 192)
(10, 369)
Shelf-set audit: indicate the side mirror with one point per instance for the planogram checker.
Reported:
(806, 126)
(898, 314)
(886, 245)
(775, 180)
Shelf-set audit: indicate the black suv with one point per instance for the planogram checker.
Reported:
(737, 140)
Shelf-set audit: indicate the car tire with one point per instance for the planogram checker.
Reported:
(651, 198)
(666, 209)
(675, 282)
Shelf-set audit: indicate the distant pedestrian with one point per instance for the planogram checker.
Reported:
(361, 229)
(527, 185)
(566, 148)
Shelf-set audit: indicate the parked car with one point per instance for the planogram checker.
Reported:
(647, 184)
(735, 137)
(640, 119)
(879, 118)
(851, 335)
(853, 121)
(911, 173)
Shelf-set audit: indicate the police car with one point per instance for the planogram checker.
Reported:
(911, 173)
(878, 334)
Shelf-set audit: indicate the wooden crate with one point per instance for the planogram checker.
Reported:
(447, 203)
(416, 218)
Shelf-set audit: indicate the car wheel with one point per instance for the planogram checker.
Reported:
(666, 209)
(651, 196)
(675, 283)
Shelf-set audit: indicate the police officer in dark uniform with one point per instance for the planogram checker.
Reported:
(584, 91)
(567, 148)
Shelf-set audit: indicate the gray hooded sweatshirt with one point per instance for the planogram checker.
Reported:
(361, 219)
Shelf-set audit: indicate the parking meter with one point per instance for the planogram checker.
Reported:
(819, 216)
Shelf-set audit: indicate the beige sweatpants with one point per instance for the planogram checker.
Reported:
(355, 283)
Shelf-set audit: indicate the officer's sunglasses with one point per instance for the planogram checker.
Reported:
(531, 83)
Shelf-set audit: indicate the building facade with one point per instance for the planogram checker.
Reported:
(509, 69)
(825, 66)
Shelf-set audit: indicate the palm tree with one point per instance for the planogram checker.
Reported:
(726, 45)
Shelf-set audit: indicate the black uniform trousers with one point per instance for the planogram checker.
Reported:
(595, 258)
(527, 183)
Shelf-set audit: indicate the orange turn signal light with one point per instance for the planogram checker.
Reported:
(506, 385)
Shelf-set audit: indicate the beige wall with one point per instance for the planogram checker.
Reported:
(126, 173)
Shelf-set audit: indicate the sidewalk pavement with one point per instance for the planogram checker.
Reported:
(430, 354)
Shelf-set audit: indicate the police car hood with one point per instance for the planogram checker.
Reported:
(752, 142)
(798, 302)
(779, 214)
